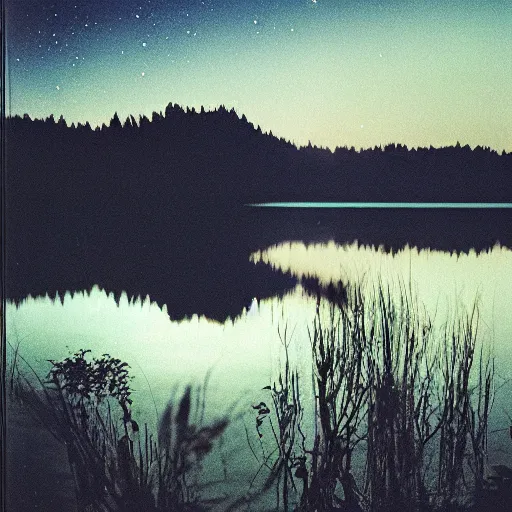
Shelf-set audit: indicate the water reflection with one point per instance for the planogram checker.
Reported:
(446, 284)
(243, 352)
(161, 352)
(246, 354)
(442, 281)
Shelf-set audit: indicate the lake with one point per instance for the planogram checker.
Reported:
(244, 354)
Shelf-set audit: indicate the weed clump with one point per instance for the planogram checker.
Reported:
(117, 465)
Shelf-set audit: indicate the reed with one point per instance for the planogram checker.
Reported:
(283, 461)
(411, 400)
(401, 411)
(12, 365)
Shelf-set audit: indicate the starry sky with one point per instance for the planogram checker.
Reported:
(334, 72)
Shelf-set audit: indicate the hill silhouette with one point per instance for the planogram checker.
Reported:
(157, 206)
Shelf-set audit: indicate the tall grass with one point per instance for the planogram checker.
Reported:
(340, 393)
(410, 400)
(116, 465)
(400, 410)
(282, 462)
(12, 377)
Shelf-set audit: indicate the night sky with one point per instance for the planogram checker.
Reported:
(335, 72)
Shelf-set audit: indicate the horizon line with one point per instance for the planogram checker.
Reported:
(192, 110)
(381, 205)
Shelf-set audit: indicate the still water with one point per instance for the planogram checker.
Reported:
(245, 354)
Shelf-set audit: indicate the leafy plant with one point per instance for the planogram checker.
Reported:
(87, 405)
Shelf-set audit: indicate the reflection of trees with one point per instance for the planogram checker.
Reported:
(125, 205)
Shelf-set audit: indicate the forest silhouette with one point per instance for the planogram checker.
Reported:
(158, 206)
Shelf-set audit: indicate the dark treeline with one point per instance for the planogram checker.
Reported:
(157, 206)
(217, 155)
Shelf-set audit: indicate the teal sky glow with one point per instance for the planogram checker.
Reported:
(336, 73)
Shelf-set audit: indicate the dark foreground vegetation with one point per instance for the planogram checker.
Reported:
(117, 465)
(142, 203)
(395, 418)
(401, 413)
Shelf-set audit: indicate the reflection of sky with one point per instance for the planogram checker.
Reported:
(245, 355)
(333, 72)
(445, 284)
(241, 355)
